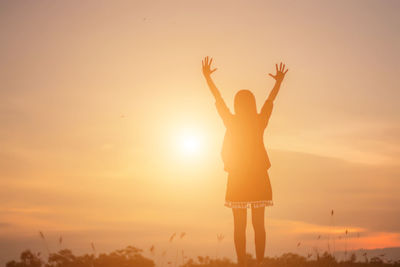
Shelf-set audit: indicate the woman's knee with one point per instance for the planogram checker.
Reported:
(259, 228)
(258, 220)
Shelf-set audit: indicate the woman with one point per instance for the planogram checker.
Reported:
(246, 160)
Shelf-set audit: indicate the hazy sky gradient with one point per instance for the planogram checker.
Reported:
(94, 97)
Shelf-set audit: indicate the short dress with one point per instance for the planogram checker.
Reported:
(245, 158)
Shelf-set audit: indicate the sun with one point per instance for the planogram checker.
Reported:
(190, 143)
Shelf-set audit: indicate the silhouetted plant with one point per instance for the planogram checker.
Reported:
(376, 261)
(27, 259)
(128, 257)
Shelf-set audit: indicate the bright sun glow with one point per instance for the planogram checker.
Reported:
(190, 143)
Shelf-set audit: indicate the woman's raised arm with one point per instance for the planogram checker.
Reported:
(279, 76)
(222, 108)
(206, 64)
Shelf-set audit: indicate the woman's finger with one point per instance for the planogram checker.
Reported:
(286, 71)
(211, 61)
(276, 66)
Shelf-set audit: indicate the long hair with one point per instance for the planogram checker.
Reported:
(245, 103)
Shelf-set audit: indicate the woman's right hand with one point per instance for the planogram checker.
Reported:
(207, 67)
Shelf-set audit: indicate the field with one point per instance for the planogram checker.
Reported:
(133, 257)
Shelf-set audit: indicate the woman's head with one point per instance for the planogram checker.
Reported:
(245, 103)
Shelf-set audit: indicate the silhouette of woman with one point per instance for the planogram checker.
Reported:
(246, 160)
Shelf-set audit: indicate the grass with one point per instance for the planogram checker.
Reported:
(133, 257)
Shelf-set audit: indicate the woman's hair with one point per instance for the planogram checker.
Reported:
(245, 103)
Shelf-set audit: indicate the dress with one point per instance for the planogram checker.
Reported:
(245, 158)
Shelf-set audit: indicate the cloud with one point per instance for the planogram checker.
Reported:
(307, 187)
(4, 224)
(379, 139)
(338, 237)
(13, 166)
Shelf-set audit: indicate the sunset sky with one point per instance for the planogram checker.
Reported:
(110, 135)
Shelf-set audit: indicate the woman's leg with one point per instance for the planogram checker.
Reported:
(257, 217)
(239, 234)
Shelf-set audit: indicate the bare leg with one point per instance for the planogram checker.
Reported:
(257, 216)
(239, 224)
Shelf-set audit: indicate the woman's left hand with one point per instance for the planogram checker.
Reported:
(280, 73)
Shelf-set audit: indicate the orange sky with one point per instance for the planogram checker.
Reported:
(94, 96)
